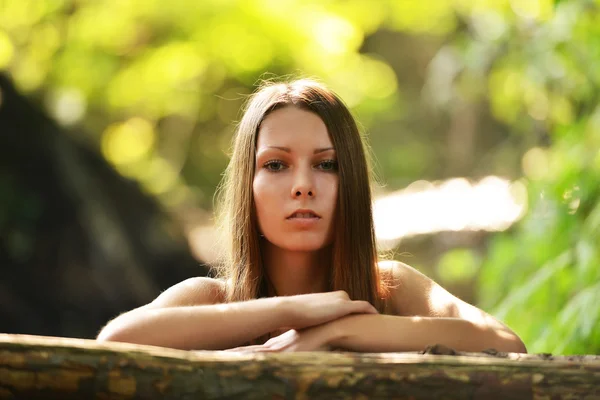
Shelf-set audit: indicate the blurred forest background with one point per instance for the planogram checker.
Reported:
(116, 118)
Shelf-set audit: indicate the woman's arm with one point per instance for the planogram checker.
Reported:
(204, 327)
(186, 317)
(387, 333)
(425, 314)
(416, 295)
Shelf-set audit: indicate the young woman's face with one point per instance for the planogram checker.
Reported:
(296, 180)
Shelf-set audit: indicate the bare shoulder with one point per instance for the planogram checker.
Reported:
(191, 292)
(414, 293)
(400, 273)
(389, 275)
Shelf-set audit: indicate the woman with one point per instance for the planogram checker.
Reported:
(302, 267)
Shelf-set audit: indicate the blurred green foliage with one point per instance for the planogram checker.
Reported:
(472, 88)
(543, 276)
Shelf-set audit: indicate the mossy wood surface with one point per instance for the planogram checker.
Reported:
(46, 367)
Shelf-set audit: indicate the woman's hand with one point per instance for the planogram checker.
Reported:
(308, 310)
(316, 338)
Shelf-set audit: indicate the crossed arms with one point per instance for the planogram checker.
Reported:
(186, 316)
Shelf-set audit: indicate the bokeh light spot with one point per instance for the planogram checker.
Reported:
(128, 142)
(68, 106)
(535, 163)
(337, 35)
(458, 265)
(6, 50)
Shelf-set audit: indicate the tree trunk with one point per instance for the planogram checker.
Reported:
(79, 243)
(44, 367)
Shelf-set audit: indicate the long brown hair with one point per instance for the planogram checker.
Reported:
(354, 251)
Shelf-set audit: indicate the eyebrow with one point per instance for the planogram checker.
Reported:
(288, 150)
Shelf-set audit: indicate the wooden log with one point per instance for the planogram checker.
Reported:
(35, 367)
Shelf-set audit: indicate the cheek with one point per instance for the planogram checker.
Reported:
(265, 198)
(331, 190)
(262, 192)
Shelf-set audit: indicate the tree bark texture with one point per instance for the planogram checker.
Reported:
(46, 367)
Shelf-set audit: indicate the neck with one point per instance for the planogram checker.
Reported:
(296, 272)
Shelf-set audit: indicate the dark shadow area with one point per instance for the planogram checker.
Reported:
(79, 243)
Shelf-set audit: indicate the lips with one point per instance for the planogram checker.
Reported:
(303, 214)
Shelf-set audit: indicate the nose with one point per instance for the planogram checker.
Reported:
(303, 185)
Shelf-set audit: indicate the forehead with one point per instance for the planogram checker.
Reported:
(295, 128)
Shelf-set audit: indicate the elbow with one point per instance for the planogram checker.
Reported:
(120, 335)
(109, 334)
(509, 342)
(131, 328)
(120, 329)
(518, 345)
(124, 328)
(501, 339)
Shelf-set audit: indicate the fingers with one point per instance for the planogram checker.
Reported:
(360, 306)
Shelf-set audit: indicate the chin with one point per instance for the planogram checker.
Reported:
(303, 248)
(304, 245)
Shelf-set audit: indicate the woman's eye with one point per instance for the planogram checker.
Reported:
(328, 165)
(274, 166)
